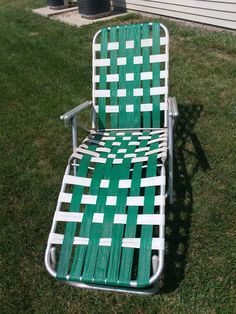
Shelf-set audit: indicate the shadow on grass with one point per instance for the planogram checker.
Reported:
(188, 158)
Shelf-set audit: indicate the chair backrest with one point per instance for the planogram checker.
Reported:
(130, 76)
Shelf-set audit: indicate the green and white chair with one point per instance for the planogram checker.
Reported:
(108, 228)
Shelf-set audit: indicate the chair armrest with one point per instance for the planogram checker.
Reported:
(173, 108)
(66, 117)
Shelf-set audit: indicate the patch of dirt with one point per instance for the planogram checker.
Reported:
(223, 56)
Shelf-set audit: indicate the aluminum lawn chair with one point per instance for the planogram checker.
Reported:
(108, 228)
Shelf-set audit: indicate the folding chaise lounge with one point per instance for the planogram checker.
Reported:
(108, 227)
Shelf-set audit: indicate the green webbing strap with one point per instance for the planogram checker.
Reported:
(80, 252)
(103, 82)
(113, 85)
(146, 83)
(122, 77)
(156, 75)
(137, 69)
(129, 99)
(130, 228)
(144, 264)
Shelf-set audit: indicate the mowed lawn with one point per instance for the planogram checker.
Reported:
(45, 69)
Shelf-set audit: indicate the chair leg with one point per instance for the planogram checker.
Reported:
(170, 161)
(53, 256)
(74, 136)
(155, 260)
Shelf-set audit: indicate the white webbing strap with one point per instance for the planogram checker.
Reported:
(162, 152)
(101, 93)
(129, 44)
(143, 219)
(130, 76)
(105, 62)
(123, 184)
(157, 243)
(159, 200)
(130, 108)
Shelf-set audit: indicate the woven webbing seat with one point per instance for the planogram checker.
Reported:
(108, 228)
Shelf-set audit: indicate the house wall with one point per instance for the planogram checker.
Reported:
(214, 12)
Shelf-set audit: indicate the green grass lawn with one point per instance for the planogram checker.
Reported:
(45, 69)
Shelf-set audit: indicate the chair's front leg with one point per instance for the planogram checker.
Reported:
(74, 127)
(170, 159)
(173, 114)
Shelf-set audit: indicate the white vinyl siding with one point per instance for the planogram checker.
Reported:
(214, 12)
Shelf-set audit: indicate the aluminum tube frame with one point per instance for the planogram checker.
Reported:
(66, 117)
